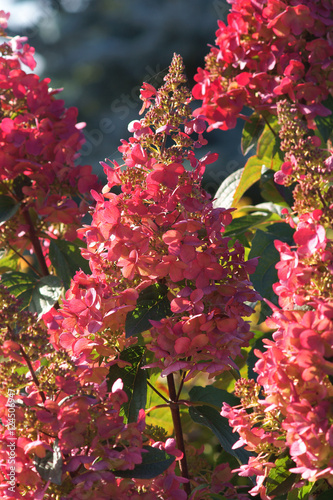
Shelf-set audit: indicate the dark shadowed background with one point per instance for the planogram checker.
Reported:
(100, 52)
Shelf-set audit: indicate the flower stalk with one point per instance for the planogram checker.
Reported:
(174, 408)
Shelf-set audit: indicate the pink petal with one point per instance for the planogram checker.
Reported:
(182, 345)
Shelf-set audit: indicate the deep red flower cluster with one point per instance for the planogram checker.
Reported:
(270, 49)
(161, 229)
(39, 143)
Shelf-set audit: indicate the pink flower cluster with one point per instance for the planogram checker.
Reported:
(295, 371)
(94, 443)
(221, 486)
(306, 271)
(269, 57)
(87, 428)
(161, 229)
(39, 143)
(67, 419)
(259, 429)
(270, 49)
(295, 413)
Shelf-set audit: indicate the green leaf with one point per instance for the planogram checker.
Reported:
(327, 495)
(280, 481)
(8, 208)
(303, 493)
(152, 304)
(268, 155)
(256, 343)
(154, 463)
(265, 274)
(273, 192)
(269, 145)
(160, 417)
(225, 194)
(256, 216)
(8, 261)
(66, 259)
(251, 173)
(251, 132)
(134, 379)
(50, 466)
(272, 208)
(21, 285)
(325, 123)
(36, 295)
(241, 224)
(208, 414)
(45, 294)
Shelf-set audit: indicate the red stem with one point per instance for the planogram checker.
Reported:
(33, 375)
(24, 259)
(178, 431)
(36, 244)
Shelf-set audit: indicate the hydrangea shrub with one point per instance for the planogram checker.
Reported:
(153, 300)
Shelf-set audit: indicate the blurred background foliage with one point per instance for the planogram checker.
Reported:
(100, 52)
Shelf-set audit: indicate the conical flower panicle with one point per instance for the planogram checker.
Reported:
(161, 229)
